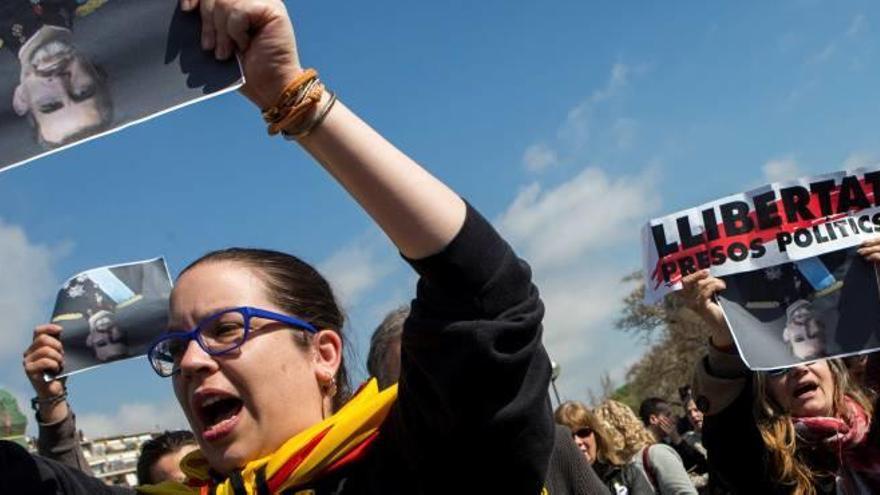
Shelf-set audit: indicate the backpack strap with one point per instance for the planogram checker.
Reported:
(649, 469)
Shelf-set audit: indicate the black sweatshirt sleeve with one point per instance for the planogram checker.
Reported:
(473, 401)
(22, 472)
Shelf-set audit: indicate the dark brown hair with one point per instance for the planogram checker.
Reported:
(298, 289)
(157, 447)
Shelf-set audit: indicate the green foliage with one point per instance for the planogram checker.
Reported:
(12, 422)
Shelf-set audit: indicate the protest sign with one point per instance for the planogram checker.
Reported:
(78, 69)
(111, 313)
(796, 288)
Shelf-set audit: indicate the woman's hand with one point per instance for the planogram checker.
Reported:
(46, 355)
(870, 250)
(698, 289)
(261, 33)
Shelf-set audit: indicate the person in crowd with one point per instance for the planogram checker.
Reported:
(659, 463)
(254, 349)
(598, 446)
(160, 457)
(658, 417)
(694, 417)
(58, 438)
(569, 472)
(383, 360)
(802, 429)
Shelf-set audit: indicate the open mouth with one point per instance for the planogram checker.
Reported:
(218, 414)
(804, 391)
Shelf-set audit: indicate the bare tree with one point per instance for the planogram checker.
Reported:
(678, 339)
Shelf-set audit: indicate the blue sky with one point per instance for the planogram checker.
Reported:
(569, 124)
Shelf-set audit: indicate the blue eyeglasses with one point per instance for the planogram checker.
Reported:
(217, 334)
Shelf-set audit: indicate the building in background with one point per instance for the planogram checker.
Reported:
(114, 459)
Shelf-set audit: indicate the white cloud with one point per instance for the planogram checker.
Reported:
(860, 159)
(585, 122)
(356, 268)
(570, 235)
(858, 25)
(26, 286)
(617, 80)
(539, 157)
(133, 418)
(556, 227)
(781, 169)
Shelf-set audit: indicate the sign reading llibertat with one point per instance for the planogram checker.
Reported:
(111, 313)
(78, 69)
(797, 290)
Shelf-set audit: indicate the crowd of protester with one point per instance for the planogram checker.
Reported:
(460, 402)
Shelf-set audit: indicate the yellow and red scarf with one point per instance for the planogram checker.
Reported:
(311, 454)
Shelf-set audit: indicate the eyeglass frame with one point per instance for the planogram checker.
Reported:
(247, 312)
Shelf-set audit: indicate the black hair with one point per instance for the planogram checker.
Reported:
(157, 447)
(653, 406)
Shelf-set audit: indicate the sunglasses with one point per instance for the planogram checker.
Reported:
(583, 432)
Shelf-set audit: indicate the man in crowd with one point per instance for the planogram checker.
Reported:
(63, 94)
(658, 417)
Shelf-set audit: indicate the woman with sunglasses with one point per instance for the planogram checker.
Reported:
(255, 346)
(802, 430)
(598, 445)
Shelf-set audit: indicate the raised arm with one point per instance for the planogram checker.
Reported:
(418, 212)
(57, 424)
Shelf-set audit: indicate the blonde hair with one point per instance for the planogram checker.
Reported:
(791, 464)
(631, 434)
(575, 416)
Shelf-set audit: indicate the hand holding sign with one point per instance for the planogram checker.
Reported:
(870, 250)
(45, 356)
(698, 290)
(261, 32)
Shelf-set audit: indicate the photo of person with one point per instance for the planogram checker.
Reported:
(803, 331)
(106, 338)
(112, 312)
(804, 310)
(60, 91)
(68, 83)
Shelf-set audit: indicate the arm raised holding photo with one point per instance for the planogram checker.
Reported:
(58, 437)
(417, 211)
(475, 306)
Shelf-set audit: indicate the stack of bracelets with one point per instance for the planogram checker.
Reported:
(295, 114)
